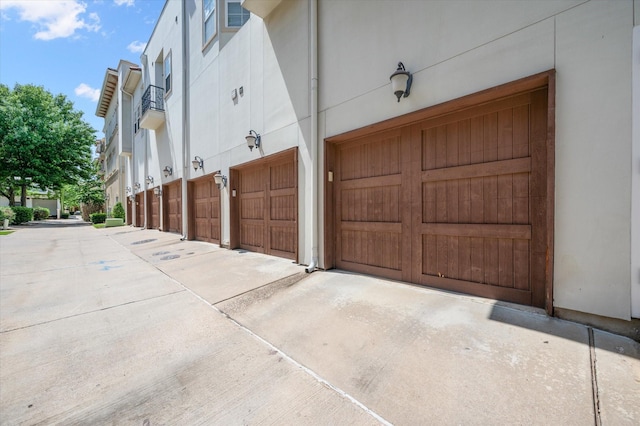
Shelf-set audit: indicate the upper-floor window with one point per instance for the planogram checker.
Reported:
(209, 19)
(167, 73)
(236, 14)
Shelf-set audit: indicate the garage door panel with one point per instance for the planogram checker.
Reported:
(140, 209)
(252, 235)
(379, 249)
(252, 208)
(282, 176)
(283, 240)
(380, 204)
(172, 195)
(370, 158)
(283, 207)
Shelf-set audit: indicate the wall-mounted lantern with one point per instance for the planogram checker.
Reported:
(401, 81)
(197, 163)
(149, 180)
(168, 171)
(136, 186)
(220, 180)
(253, 140)
(157, 191)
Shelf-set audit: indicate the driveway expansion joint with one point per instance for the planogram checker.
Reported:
(594, 379)
(106, 308)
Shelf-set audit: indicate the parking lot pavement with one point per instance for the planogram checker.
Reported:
(128, 326)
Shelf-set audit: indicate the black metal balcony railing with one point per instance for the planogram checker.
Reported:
(153, 98)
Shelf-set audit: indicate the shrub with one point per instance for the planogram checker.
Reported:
(118, 211)
(40, 213)
(6, 213)
(64, 215)
(98, 217)
(23, 214)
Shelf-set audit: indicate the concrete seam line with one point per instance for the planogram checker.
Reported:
(293, 361)
(92, 312)
(594, 379)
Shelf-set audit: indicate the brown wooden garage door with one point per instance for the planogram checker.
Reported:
(140, 209)
(458, 201)
(172, 208)
(129, 211)
(153, 215)
(265, 208)
(204, 198)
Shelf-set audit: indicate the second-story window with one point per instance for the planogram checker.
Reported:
(236, 14)
(209, 18)
(167, 74)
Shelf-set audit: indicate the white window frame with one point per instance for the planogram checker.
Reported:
(226, 10)
(167, 73)
(206, 17)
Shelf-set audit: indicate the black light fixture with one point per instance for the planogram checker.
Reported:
(253, 140)
(136, 186)
(401, 81)
(197, 163)
(220, 180)
(157, 191)
(149, 180)
(128, 189)
(168, 171)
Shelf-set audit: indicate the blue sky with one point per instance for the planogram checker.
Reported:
(66, 46)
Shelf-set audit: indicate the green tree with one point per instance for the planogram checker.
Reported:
(43, 141)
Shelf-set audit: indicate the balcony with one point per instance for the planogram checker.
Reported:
(152, 108)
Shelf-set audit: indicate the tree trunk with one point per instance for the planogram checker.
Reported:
(12, 198)
(23, 195)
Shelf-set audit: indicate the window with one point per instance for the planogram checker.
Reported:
(209, 18)
(136, 124)
(167, 74)
(236, 14)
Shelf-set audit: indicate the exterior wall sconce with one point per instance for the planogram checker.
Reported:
(168, 171)
(401, 81)
(253, 140)
(157, 192)
(136, 186)
(220, 180)
(128, 189)
(197, 163)
(149, 180)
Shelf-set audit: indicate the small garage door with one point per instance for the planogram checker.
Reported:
(205, 210)
(265, 209)
(129, 210)
(153, 215)
(172, 208)
(140, 209)
(457, 201)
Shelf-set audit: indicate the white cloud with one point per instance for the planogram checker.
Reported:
(54, 19)
(124, 2)
(86, 91)
(136, 46)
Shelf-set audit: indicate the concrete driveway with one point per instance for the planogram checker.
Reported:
(129, 326)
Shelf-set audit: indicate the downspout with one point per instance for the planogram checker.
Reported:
(313, 63)
(185, 123)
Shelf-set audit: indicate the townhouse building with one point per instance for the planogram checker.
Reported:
(484, 147)
(115, 150)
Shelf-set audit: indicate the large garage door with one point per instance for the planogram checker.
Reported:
(267, 206)
(458, 201)
(153, 215)
(172, 208)
(205, 210)
(140, 209)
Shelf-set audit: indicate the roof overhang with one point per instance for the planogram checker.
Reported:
(131, 79)
(109, 86)
(262, 8)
